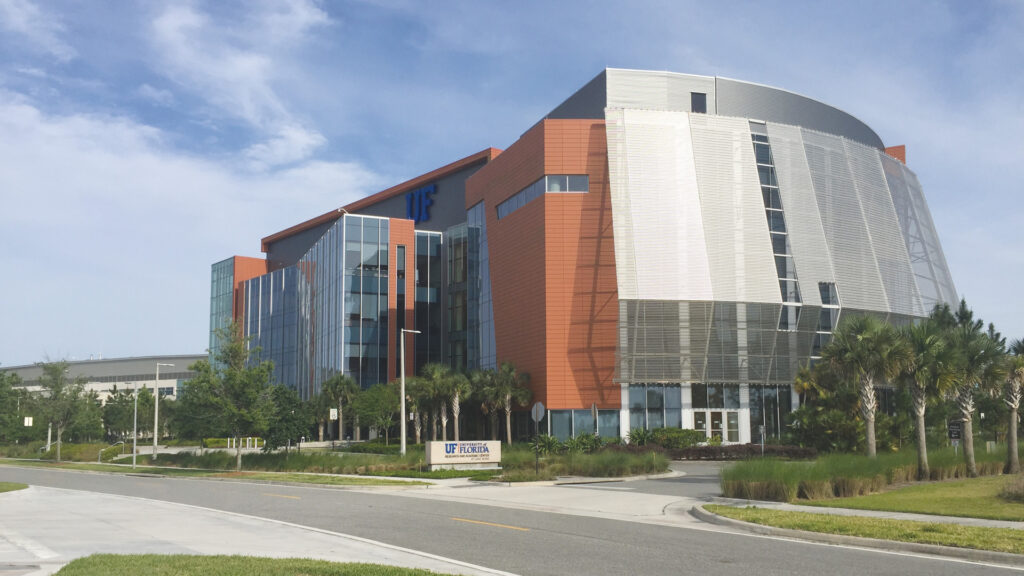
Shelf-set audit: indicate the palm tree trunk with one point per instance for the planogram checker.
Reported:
(494, 424)
(444, 421)
(455, 415)
(1012, 458)
(60, 432)
(358, 434)
(920, 399)
(965, 401)
(433, 426)
(868, 405)
(320, 431)
(508, 419)
(417, 425)
(238, 454)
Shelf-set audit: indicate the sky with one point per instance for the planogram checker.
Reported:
(142, 142)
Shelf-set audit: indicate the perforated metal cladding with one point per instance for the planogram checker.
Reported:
(803, 221)
(853, 260)
(884, 230)
(657, 90)
(934, 281)
(738, 244)
(656, 211)
(663, 341)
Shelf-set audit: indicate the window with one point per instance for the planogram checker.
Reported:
(698, 103)
(829, 297)
(552, 184)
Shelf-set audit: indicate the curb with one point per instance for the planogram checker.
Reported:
(578, 480)
(1002, 558)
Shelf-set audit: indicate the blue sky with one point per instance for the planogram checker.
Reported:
(141, 142)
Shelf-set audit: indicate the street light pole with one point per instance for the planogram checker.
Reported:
(401, 362)
(156, 407)
(135, 423)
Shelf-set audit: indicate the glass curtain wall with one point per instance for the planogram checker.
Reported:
(457, 249)
(271, 321)
(222, 282)
(366, 300)
(429, 308)
(480, 344)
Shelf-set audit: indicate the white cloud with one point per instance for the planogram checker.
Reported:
(234, 69)
(157, 96)
(113, 231)
(42, 30)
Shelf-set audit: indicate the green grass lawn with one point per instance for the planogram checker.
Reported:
(194, 473)
(973, 498)
(12, 486)
(160, 565)
(995, 539)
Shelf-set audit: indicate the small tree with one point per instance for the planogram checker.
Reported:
(509, 390)
(341, 390)
(237, 389)
(11, 404)
(377, 405)
(289, 421)
(1012, 396)
(932, 373)
(867, 351)
(60, 397)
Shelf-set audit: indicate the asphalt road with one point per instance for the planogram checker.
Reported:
(519, 541)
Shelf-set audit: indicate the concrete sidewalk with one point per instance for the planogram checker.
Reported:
(41, 529)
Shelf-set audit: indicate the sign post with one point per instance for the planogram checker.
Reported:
(537, 413)
(955, 432)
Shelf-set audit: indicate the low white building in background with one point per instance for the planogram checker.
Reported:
(102, 376)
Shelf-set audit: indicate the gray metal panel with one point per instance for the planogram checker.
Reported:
(656, 209)
(447, 210)
(649, 90)
(803, 221)
(929, 237)
(746, 100)
(853, 261)
(884, 230)
(739, 247)
(587, 102)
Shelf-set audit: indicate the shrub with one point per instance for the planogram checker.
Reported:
(583, 444)
(545, 444)
(639, 436)
(743, 452)
(676, 438)
(1013, 491)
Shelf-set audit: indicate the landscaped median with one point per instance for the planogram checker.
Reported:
(167, 565)
(1007, 540)
(12, 486)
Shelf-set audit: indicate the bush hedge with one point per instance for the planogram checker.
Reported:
(843, 475)
(676, 438)
(743, 452)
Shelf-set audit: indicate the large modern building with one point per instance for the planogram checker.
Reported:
(661, 249)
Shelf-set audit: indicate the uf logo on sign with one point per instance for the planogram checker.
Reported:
(449, 447)
(418, 202)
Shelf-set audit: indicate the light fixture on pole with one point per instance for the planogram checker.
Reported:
(156, 407)
(401, 362)
(135, 423)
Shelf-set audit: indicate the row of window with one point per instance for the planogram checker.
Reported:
(550, 184)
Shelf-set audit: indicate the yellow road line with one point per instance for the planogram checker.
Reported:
(491, 524)
(282, 496)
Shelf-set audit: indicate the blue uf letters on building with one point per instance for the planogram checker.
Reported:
(418, 202)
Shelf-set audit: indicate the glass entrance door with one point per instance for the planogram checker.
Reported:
(723, 424)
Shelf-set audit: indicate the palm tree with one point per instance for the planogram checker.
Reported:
(483, 383)
(509, 388)
(459, 387)
(437, 380)
(415, 399)
(932, 371)
(867, 351)
(1012, 396)
(980, 366)
(341, 389)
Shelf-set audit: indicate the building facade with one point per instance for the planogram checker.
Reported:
(660, 250)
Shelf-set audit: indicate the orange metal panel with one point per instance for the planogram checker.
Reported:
(898, 152)
(553, 265)
(401, 233)
(245, 269)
